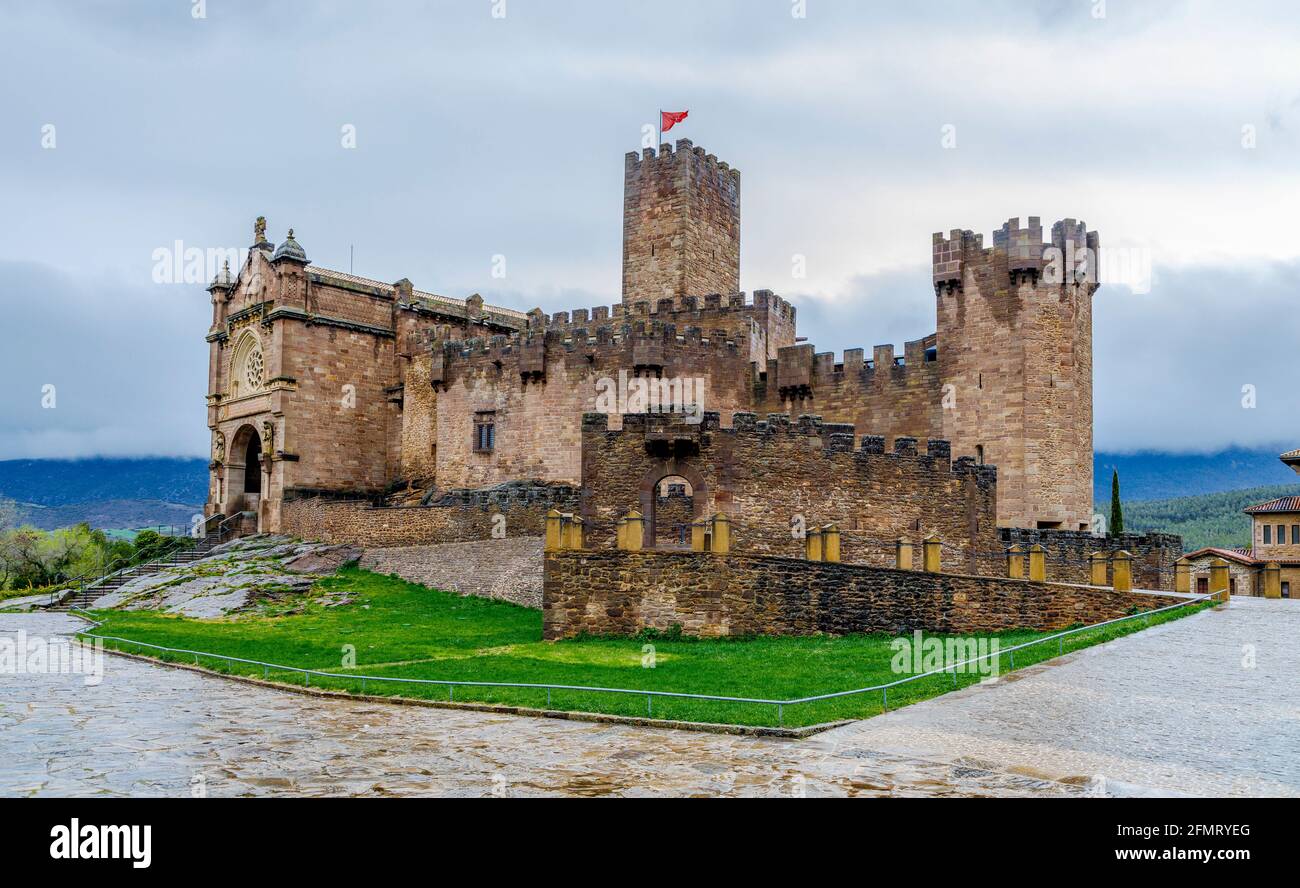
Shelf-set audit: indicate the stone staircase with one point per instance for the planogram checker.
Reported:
(84, 597)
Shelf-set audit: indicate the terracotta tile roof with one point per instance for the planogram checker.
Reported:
(1281, 504)
(1241, 556)
(1291, 454)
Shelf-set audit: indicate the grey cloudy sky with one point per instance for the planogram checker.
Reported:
(479, 136)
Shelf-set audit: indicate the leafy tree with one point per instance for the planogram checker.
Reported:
(150, 545)
(1116, 510)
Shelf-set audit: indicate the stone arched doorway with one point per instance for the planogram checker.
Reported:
(245, 479)
(672, 496)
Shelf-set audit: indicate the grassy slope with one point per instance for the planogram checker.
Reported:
(401, 629)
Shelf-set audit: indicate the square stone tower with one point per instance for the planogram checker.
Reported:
(1015, 346)
(681, 225)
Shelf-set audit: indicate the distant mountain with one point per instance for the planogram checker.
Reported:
(134, 514)
(1210, 519)
(105, 493)
(61, 482)
(1154, 476)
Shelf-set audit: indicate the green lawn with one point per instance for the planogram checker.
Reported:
(399, 629)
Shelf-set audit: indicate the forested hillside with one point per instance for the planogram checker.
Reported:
(1211, 519)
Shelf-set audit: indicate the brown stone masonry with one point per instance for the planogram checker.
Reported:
(1067, 554)
(621, 593)
(767, 476)
(460, 516)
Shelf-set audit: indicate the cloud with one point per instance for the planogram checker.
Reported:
(479, 136)
(127, 363)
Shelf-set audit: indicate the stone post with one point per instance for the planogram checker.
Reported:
(1219, 580)
(700, 536)
(1037, 564)
(721, 534)
(1016, 562)
(931, 560)
(813, 545)
(631, 531)
(1122, 571)
(1097, 565)
(1272, 580)
(903, 554)
(571, 535)
(831, 543)
(1182, 575)
(554, 531)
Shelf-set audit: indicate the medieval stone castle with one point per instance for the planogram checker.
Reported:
(324, 386)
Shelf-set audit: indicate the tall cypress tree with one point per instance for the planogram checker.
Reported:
(1116, 510)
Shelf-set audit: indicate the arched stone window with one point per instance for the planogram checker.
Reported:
(247, 367)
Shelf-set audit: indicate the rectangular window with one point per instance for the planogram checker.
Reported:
(1281, 534)
(1295, 534)
(485, 431)
(1268, 534)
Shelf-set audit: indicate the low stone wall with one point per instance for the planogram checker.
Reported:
(619, 593)
(459, 516)
(507, 570)
(1153, 554)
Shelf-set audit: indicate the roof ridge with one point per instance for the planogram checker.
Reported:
(422, 294)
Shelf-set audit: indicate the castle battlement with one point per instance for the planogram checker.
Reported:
(1019, 254)
(838, 440)
(644, 346)
(671, 156)
(679, 308)
(797, 370)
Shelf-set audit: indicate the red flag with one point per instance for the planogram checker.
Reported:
(669, 119)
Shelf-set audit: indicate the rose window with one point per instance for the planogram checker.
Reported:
(253, 370)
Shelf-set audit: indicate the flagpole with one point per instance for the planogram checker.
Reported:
(660, 130)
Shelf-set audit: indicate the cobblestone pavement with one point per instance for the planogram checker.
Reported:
(1170, 710)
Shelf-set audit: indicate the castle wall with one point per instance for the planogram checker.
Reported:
(539, 387)
(505, 569)
(766, 476)
(459, 516)
(681, 224)
(1068, 551)
(621, 593)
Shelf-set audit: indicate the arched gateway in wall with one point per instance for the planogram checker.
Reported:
(655, 537)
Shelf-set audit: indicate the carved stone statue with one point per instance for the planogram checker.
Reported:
(268, 439)
(219, 448)
(259, 230)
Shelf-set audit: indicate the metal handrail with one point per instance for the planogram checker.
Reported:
(780, 705)
(118, 565)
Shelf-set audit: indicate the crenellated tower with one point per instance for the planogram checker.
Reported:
(681, 224)
(1015, 352)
